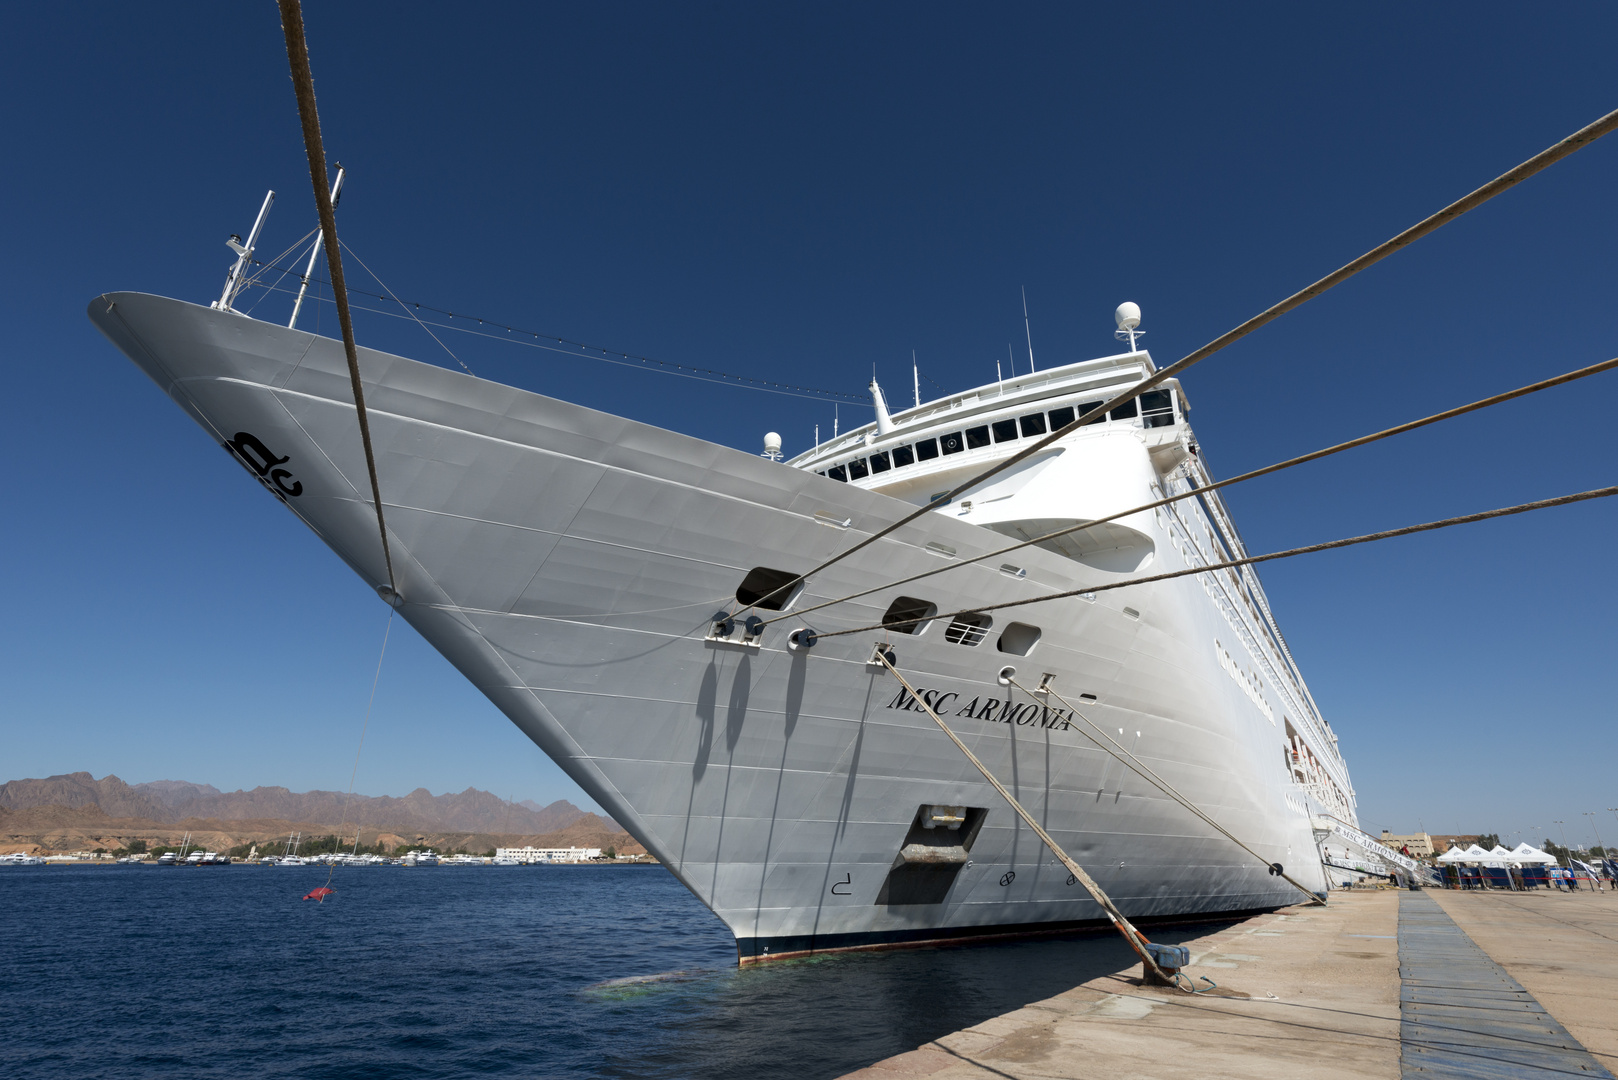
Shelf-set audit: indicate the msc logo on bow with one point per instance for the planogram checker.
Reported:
(248, 450)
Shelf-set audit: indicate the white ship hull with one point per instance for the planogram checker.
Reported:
(568, 562)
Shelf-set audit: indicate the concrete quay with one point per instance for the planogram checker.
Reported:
(1431, 984)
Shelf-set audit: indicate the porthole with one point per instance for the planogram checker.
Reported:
(907, 615)
(968, 629)
(769, 589)
(1018, 639)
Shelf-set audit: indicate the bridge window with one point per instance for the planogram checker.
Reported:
(879, 461)
(837, 472)
(1033, 424)
(857, 469)
(952, 443)
(968, 629)
(926, 449)
(1005, 430)
(1157, 406)
(977, 437)
(1125, 411)
(903, 455)
(1061, 418)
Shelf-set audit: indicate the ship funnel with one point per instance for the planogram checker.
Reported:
(884, 422)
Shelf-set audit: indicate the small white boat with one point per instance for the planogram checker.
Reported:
(18, 858)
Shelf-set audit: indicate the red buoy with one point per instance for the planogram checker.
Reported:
(320, 893)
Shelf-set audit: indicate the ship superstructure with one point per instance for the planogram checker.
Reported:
(570, 563)
(921, 453)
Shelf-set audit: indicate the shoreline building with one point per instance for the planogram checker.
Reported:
(534, 854)
(1419, 844)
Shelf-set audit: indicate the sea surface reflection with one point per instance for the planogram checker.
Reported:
(460, 972)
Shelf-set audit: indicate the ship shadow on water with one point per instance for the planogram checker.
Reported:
(823, 1016)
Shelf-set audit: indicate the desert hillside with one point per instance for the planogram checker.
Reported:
(75, 812)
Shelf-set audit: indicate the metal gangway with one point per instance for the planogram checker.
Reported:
(1380, 857)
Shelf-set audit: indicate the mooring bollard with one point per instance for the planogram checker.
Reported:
(1171, 958)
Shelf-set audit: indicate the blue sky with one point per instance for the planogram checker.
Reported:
(800, 194)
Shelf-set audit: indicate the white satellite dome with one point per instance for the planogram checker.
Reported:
(1128, 315)
(772, 442)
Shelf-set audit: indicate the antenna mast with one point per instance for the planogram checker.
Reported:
(915, 377)
(1027, 329)
(314, 252)
(234, 283)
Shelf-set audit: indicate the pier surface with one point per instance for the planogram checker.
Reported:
(1384, 984)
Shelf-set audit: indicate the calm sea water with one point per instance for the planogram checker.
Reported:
(447, 972)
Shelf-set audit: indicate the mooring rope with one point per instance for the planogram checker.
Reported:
(1145, 772)
(1136, 939)
(303, 83)
(1465, 519)
(354, 774)
(1545, 158)
(1303, 459)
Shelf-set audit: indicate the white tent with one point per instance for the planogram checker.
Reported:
(1454, 855)
(1502, 856)
(1526, 854)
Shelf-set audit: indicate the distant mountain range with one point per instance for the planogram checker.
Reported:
(169, 801)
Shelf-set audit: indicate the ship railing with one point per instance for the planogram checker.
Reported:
(1253, 598)
(1244, 617)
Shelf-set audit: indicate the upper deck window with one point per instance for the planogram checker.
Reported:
(1033, 424)
(977, 437)
(857, 469)
(952, 443)
(926, 449)
(1125, 411)
(837, 472)
(1004, 430)
(879, 461)
(902, 455)
(1089, 406)
(1061, 418)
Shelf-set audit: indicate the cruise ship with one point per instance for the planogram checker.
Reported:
(580, 569)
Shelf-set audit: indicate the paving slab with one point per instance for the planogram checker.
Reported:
(1511, 985)
(1307, 991)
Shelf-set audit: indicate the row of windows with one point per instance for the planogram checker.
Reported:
(773, 590)
(1155, 407)
(908, 615)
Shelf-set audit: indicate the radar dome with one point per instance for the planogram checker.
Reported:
(772, 443)
(1128, 315)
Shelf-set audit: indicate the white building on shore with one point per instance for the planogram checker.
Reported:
(539, 855)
